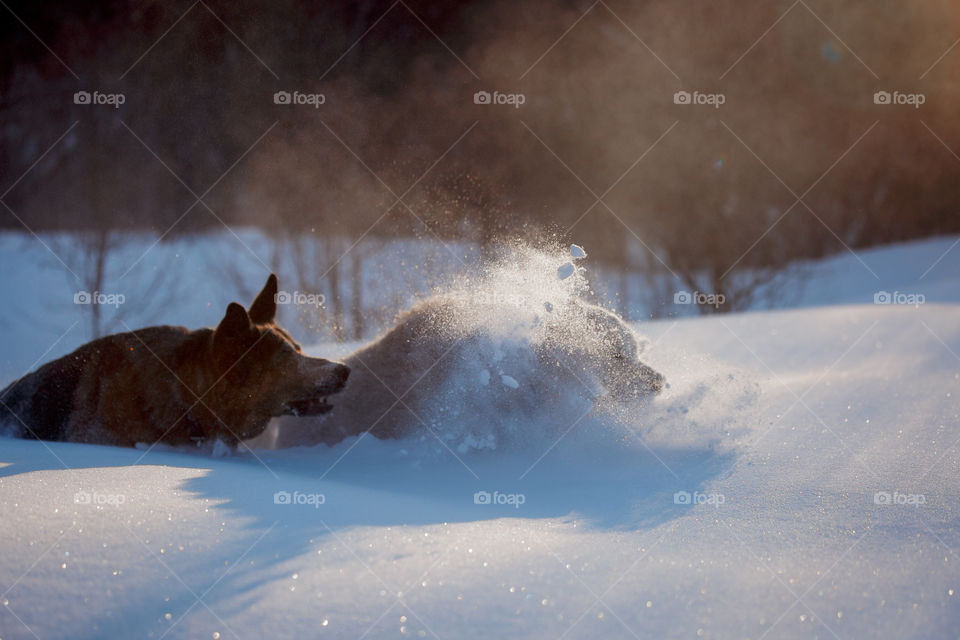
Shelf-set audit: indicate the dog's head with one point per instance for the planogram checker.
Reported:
(615, 351)
(265, 371)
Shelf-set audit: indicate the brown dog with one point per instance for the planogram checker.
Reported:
(172, 385)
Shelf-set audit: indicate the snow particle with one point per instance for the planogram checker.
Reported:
(576, 251)
(566, 270)
(509, 381)
(215, 635)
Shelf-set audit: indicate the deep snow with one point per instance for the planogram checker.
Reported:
(789, 430)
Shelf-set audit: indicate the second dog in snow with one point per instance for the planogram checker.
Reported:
(449, 362)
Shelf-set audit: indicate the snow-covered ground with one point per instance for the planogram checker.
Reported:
(818, 449)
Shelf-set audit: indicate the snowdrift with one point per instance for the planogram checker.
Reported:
(799, 478)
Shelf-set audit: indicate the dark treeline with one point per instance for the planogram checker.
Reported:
(598, 153)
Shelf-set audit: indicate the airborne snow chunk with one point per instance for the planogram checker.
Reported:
(509, 381)
(577, 252)
(566, 270)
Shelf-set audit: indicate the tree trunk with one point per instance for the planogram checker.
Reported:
(336, 302)
(101, 246)
(356, 293)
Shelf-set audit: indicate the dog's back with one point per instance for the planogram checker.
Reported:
(38, 405)
(48, 403)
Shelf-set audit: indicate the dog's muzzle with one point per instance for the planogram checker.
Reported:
(317, 403)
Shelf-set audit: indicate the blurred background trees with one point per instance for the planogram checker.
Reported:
(797, 163)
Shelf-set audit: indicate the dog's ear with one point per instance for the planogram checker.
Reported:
(264, 308)
(235, 324)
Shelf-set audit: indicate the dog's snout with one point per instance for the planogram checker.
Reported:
(653, 379)
(335, 376)
(658, 382)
